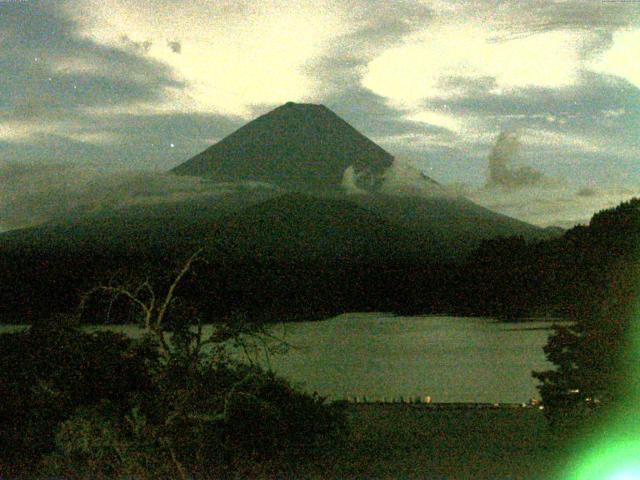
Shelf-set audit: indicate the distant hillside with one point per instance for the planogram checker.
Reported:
(301, 227)
(570, 276)
(138, 230)
(301, 145)
(455, 222)
(332, 252)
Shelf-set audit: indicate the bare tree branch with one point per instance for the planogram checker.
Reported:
(153, 316)
(176, 281)
(116, 292)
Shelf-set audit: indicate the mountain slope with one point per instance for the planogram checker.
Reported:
(456, 222)
(332, 252)
(301, 227)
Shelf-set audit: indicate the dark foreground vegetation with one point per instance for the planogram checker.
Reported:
(175, 405)
(413, 442)
(595, 358)
(80, 405)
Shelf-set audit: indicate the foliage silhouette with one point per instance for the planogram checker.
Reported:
(174, 403)
(592, 356)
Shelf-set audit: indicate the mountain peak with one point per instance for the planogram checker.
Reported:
(296, 144)
(309, 106)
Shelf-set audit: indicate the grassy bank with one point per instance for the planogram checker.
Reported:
(395, 441)
(406, 441)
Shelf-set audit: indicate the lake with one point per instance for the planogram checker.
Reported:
(450, 359)
(380, 356)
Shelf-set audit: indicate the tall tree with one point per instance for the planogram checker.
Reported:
(591, 356)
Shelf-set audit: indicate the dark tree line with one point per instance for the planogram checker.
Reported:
(594, 358)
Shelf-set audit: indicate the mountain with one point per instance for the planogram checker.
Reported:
(305, 214)
(300, 145)
(305, 147)
(288, 254)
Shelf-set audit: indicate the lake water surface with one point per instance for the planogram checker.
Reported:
(451, 359)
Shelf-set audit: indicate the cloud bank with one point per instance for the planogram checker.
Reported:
(523, 192)
(37, 193)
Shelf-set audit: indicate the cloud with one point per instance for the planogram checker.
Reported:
(437, 119)
(31, 194)
(553, 204)
(619, 59)
(402, 178)
(371, 115)
(531, 16)
(593, 95)
(233, 54)
(533, 43)
(501, 172)
(579, 131)
(350, 182)
(50, 74)
(529, 194)
(114, 141)
(587, 192)
(471, 54)
(374, 25)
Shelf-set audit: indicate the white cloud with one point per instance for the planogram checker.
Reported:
(93, 137)
(19, 131)
(349, 182)
(421, 67)
(414, 140)
(31, 194)
(438, 119)
(233, 54)
(402, 178)
(622, 58)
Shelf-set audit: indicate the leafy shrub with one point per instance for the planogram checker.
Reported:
(99, 441)
(49, 370)
(261, 425)
(265, 415)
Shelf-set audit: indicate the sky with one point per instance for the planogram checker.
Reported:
(531, 108)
